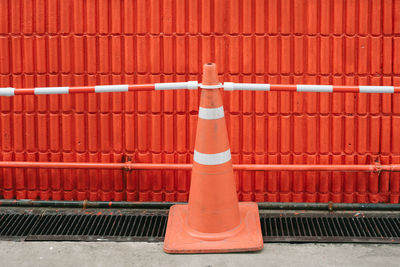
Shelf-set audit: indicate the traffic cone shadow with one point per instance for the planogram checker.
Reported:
(213, 221)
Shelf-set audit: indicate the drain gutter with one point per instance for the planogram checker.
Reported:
(328, 206)
(166, 205)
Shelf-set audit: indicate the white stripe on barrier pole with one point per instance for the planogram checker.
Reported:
(51, 90)
(8, 91)
(212, 159)
(211, 113)
(217, 86)
(376, 89)
(111, 88)
(192, 85)
(176, 86)
(170, 86)
(314, 88)
(229, 86)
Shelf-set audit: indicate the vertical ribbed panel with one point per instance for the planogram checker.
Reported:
(61, 43)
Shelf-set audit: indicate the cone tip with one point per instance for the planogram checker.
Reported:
(210, 74)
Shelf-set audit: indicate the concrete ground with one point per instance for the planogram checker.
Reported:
(150, 254)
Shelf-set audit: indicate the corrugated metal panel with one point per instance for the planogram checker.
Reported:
(52, 43)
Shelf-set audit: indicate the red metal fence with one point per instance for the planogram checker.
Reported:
(75, 43)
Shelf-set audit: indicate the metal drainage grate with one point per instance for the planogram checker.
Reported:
(16, 226)
(374, 228)
(100, 227)
(128, 225)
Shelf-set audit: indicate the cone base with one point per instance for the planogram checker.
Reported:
(180, 238)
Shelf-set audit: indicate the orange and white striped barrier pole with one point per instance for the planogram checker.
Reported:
(10, 91)
(230, 86)
(213, 221)
(192, 85)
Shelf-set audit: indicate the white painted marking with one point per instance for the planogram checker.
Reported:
(111, 88)
(376, 89)
(212, 159)
(211, 113)
(314, 88)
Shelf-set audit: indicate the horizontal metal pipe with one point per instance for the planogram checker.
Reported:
(85, 204)
(161, 166)
(166, 205)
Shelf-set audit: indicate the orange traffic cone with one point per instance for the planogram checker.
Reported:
(213, 221)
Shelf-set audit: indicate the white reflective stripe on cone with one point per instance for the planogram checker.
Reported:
(51, 90)
(212, 159)
(314, 88)
(8, 91)
(376, 89)
(211, 113)
(111, 88)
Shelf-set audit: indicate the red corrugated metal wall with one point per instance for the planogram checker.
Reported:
(52, 43)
